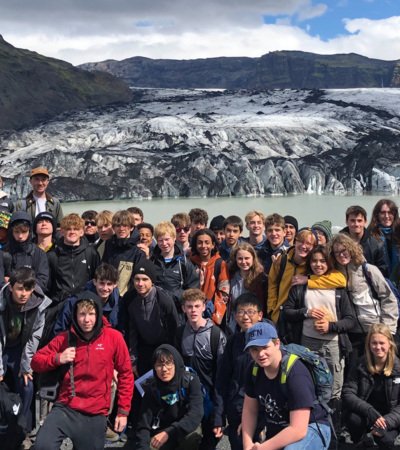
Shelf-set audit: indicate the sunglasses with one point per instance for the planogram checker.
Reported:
(91, 223)
(180, 229)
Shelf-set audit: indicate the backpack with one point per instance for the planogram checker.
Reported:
(50, 382)
(320, 374)
(12, 422)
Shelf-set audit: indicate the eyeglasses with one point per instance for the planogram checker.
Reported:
(166, 364)
(91, 223)
(247, 312)
(345, 253)
(180, 229)
(386, 213)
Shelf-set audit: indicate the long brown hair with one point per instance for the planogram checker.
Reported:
(380, 328)
(355, 250)
(254, 270)
(373, 227)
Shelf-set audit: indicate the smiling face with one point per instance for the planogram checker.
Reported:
(290, 232)
(356, 224)
(204, 246)
(303, 246)
(122, 231)
(379, 345)
(142, 284)
(39, 184)
(247, 315)
(86, 318)
(166, 244)
(342, 255)
(385, 216)
(256, 226)
(104, 288)
(275, 235)
(318, 264)
(244, 260)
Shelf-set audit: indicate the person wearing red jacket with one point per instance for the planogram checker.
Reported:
(81, 409)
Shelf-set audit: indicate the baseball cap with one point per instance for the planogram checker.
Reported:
(260, 334)
(39, 171)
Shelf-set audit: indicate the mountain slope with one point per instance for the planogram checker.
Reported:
(275, 70)
(34, 88)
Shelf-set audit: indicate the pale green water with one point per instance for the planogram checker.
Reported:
(307, 208)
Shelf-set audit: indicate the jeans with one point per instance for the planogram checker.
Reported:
(313, 440)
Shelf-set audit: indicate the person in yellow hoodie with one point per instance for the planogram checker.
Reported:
(289, 269)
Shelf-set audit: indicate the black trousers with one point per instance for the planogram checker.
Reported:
(86, 432)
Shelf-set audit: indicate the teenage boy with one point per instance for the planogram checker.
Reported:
(90, 229)
(290, 414)
(291, 229)
(74, 261)
(233, 228)
(39, 200)
(202, 344)
(233, 368)
(146, 239)
(176, 272)
(198, 220)
(356, 221)
(181, 222)
(22, 252)
(137, 215)
(152, 317)
(105, 230)
(104, 285)
(121, 250)
(44, 231)
(22, 317)
(217, 227)
(83, 402)
(275, 243)
(255, 224)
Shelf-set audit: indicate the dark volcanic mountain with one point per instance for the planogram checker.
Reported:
(34, 88)
(275, 70)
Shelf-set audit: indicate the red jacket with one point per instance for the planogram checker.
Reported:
(94, 366)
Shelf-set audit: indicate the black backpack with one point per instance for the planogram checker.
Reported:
(12, 423)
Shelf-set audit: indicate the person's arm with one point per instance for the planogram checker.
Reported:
(49, 357)
(294, 309)
(272, 300)
(217, 397)
(64, 317)
(331, 280)
(249, 421)
(42, 271)
(192, 277)
(347, 320)
(143, 428)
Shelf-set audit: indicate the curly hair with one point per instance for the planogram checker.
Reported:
(373, 227)
(355, 250)
(206, 232)
(254, 270)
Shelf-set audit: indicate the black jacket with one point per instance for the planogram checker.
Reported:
(71, 267)
(294, 310)
(374, 251)
(358, 388)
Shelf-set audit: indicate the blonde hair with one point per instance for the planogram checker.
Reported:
(192, 295)
(104, 218)
(88, 305)
(384, 330)
(355, 250)
(164, 228)
(250, 215)
(72, 221)
(254, 270)
(123, 217)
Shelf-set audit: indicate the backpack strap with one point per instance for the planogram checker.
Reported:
(287, 363)
(179, 337)
(71, 342)
(282, 267)
(214, 340)
(217, 270)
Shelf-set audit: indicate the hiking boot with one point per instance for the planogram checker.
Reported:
(111, 435)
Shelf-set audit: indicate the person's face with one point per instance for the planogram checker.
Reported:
(90, 227)
(142, 284)
(86, 318)
(379, 346)
(220, 235)
(342, 256)
(303, 247)
(20, 234)
(194, 226)
(44, 227)
(356, 224)
(318, 264)
(385, 216)
(137, 219)
(204, 246)
(194, 310)
(321, 237)
(182, 233)
(104, 288)
(247, 315)
(39, 183)
(244, 260)
(20, 295)
(146, 236)
(166, 244)
(275, 235)
(122, 231)
(255, 226)
(165, 370)
(290, 232)
(72, 235)
(232, 234)
(265, 356)
(105, 231)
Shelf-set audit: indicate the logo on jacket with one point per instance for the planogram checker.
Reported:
(16, 408)
(83, 261)
(99, 346)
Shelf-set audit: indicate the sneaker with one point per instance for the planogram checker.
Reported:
(111, 435)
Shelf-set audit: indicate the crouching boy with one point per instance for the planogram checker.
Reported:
(292, 418)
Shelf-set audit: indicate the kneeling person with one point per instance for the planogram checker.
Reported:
(292, 417)
(80, 411)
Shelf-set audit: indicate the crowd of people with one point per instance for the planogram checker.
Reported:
(203, 319)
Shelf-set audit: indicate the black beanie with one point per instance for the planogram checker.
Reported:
(292, 221)
(147, 268)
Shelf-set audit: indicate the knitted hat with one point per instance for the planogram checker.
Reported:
(325, 226)
(292, 221)
(4, 219)
(217, 223)
(147, 268)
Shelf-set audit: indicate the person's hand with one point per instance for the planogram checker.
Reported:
(322, 326)
(68, 355)
(120, 423)
(276, 258)
(299, 279)
(218, 433)
(115, 376)
(315, 313)
(1, 378)
(239, 429)
(145, 249)
(159, 439)
(27, 377)
(380, 422)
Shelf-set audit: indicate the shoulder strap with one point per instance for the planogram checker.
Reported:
(217, 270)
(282, 268)
(287, 363)
(214, 340)
(179, 337)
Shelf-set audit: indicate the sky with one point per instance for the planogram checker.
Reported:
(81, 31)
